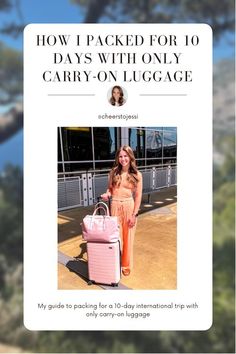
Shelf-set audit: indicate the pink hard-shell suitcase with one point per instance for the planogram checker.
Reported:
(104, 262)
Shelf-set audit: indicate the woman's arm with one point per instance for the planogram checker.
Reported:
(137, 200)
(138, 194)
(108, 193)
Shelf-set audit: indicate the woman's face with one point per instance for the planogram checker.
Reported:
(116, 94)
(124, 158)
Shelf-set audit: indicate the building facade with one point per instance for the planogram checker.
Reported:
(93, 148)
(86, 155)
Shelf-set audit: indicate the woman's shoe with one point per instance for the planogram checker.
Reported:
(126, 271)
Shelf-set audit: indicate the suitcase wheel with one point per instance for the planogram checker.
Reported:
(90, 282)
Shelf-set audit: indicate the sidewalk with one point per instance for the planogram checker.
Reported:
(154, 247)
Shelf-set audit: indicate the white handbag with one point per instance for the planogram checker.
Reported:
(100, 228)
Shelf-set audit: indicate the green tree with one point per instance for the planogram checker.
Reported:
(220, 338)
(218, 14)
(11, 215)
(12, 28)
(11, 76)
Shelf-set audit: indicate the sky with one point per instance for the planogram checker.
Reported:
(65, 11)
(45, 11)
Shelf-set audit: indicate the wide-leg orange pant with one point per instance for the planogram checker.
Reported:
(123, 209)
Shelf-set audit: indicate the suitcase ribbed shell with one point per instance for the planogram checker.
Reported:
(104, 262)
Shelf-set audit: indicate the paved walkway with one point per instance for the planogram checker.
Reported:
(154, 248)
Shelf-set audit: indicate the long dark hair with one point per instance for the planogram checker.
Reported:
(121, 98)
(132, 172)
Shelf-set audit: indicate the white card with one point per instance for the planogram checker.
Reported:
(166, 73)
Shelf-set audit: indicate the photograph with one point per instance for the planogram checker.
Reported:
(117, 96)
(117, 208)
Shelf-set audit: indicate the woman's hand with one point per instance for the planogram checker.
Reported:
(105, 196)
(132, 221)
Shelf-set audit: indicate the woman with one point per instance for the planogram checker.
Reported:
(125, 188)
(117, 96)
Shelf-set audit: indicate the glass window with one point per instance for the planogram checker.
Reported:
(154, 143)
(104, 165)
(160, 129)
(77, 143)
(170, 142)
(137, 143)
(105, 144)
(59, 156)
(87, 148)
(77, 146)
(154, 162)
(78, 166)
